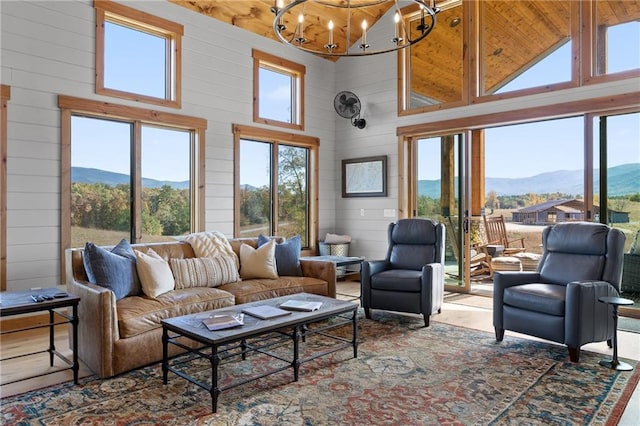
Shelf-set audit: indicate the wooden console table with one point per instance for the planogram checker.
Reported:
(22, 302)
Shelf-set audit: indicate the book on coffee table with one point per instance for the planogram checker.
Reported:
(265, 311)
(220, 322)
(301, 305)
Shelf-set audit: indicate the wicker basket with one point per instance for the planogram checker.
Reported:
(631, 273)
(328, 249)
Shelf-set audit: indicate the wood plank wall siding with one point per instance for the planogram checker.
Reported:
(48, 50)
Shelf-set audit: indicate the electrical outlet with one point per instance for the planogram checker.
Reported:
(389, 212)
(361, 212)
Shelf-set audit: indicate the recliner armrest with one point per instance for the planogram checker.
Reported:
(503, 280)
(367, 270)
(582, 306)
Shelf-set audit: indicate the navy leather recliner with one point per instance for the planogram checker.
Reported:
(581, 262)
(411, 278)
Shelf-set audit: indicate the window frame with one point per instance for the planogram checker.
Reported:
(5, 96)
(70, 106)
(583, 45)
(296, 71)
(590, 54)
(107, 11)
(275, 137)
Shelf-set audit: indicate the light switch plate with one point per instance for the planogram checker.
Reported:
(389, 212)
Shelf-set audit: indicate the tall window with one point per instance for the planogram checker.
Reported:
(278, 91)
(519, 49)
(130, 177)
(137, 55)
(617, 36)
(275, 183)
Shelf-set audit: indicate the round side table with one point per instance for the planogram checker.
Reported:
(614, 363)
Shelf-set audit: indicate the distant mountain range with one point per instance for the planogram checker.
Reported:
(623, 180)
(89, 175)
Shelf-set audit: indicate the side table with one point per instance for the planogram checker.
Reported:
(21, 302)
(614, 363)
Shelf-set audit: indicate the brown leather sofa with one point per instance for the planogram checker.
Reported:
(118, 336)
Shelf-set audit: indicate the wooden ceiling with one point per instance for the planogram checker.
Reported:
(516, 35)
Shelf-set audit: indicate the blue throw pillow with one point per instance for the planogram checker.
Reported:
(114, 269)
(287, 255)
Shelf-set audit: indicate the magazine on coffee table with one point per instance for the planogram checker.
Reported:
(220, 322)
(265, 311)
(301, 305)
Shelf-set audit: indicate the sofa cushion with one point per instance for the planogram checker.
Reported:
(209, 244)
(258, 263)
(246, 291)
(140, 314)
(114, 269)
(155, 274)
(204, 271)
(287, 255)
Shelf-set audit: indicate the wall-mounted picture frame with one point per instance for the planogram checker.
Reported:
(364, 177)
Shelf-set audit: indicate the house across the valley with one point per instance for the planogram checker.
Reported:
(554, 211)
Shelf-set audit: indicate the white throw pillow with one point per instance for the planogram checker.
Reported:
(210, 244)
(258, 263)
(154, 273)
(204, 271)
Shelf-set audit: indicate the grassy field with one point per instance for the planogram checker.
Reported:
(101, 237)
(532, 233)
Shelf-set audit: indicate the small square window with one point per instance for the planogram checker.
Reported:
(278, 91)
(137, 55)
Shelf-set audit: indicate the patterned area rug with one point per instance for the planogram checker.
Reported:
(405, 374)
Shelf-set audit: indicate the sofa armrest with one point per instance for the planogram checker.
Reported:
(323, 270)
(97, 326)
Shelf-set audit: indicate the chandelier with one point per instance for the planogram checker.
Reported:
(315, 26)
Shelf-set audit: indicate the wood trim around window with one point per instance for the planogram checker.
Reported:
(5, 94)
(275, 136)
(71, 105)
(296, 70)
(543, 112)
(135, 19)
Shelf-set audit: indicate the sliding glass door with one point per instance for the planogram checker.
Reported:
(439, 188)
(616, 187)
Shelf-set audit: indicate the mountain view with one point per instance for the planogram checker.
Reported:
(623, 180)
(89, 175)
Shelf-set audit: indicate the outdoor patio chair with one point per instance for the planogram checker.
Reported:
(497, 234)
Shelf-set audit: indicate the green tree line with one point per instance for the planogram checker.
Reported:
(165, 210)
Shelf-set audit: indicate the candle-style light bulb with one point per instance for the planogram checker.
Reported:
(280, 4)
(330, 32)
(300, 29)
(396, 38)
(364, 31)
(396, 20)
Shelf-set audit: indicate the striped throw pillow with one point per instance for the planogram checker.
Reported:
(204, 271)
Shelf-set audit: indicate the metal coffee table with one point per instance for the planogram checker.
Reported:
(257, 336)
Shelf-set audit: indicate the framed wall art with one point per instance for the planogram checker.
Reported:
(364, 177)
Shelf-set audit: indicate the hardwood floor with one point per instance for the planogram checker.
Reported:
(463, 310)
